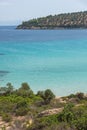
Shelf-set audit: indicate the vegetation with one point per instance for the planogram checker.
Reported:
(47, 95)
(67, 20)
(23, 110)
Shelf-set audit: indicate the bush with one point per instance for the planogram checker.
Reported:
(6, 117)
(21, 108)
(67, 114)
(80, 95)
(47, 95)
(25, 91)
(21, 111)
(44, 123)
(81, 123)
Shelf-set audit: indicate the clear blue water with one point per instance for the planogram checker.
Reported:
(55, 59)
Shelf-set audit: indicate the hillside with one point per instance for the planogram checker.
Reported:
(21, 109)
(67, 20)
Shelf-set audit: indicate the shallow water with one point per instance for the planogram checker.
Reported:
(55, 59)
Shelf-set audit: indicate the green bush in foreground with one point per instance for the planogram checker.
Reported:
(74, 116)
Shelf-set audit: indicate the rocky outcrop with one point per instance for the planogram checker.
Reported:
(50, 112)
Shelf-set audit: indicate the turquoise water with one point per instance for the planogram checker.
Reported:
(55, 59)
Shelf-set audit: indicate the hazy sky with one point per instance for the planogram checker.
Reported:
(15, 11)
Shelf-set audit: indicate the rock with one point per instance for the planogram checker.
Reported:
(50, 112)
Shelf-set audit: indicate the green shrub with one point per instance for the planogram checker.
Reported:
(21, 111)
(80, 95)
(47, 95)
(6, 117)
(25, 91)
(21, 108)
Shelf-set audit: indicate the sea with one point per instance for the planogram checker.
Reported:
(45, 59)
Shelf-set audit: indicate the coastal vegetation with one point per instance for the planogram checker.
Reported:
(66, 20)
(22, 109)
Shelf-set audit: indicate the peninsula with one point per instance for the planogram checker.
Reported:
(60, 21)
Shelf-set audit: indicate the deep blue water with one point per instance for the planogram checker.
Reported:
(55, 59)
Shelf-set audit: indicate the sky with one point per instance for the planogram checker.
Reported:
(13, 12)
